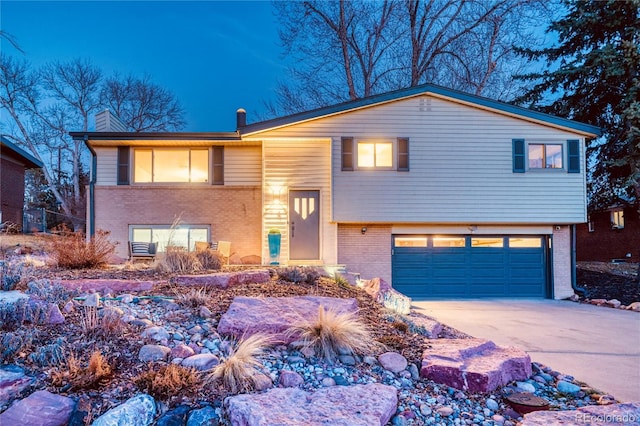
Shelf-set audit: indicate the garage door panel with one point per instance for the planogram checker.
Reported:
(495, 266)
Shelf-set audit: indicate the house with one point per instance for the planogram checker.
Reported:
(13, 163)
(610, 234)
(442, 193)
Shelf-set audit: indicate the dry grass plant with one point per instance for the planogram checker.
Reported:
(167, 381)
(209, 259)
(96, 373)
(239, 368)
(177, 259)
(72, 250)
(332, 334)
(89, 319)
(194, 298)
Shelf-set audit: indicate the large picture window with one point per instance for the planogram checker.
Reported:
(183, 236)
(165, 165)
(375, 155)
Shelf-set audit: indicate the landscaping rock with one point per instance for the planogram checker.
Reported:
(566, 387)
(13, 296)
(431, 327)
(201, 362)
(615, 414)
(224, 279)
(41, 408)
(274, 315)
(635, 306)
(613, 303)
(290, 379)
(262, 382)
(137, 411)
(92, 299)
(155, 333)
(153, 353)
(175, 417)
(55, 316)
(476, 365)
(205, 416)
(383, 293)
(13, 381)
(181, 351)
(366, 405)
(101, 285)
(393, 362)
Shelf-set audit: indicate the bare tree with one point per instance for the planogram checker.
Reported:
(348, 50)
(45, 105)
(142, 105)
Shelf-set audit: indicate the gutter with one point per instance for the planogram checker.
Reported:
(581, 291)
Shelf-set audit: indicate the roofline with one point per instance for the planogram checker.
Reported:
(155, 135)
(415, 91)
(32, 162)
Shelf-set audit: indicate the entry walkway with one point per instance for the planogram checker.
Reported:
(596, 345)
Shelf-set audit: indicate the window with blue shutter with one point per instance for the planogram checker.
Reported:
(518, 156)
(573, 156)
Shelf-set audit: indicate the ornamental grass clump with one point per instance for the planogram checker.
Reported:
(98, 372)
(332, 334)
(167, 381)
(194, 298)
(238, 371)
(178, 259)
(209, 259)
(72, 250)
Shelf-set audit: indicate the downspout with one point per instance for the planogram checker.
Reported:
(92, 184)
(581, 291)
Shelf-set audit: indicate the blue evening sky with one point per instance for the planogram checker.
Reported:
(215, 56)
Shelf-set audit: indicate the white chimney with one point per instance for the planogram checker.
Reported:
(106, 121)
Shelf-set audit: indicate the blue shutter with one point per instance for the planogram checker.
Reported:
(347, 154)
(403, 154)
(218, 165)
(123, 165)
(573, 156)
(518, 156)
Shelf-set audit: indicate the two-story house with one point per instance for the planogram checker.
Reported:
(442, 193)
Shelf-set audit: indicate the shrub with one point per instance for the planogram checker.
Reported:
(73, 251)
(341, 281)
(109, 324)
(49, 355)
(193, 299)
(299, 274)
(176, 259)
(97, 372)
(49, 292)
(12, 344)
(209, 259)
(14, 315)
(333, 334)
(239, 368)
(167, 381)
(11, 275)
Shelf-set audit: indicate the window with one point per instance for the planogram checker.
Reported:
(169, 165)
(375, 155)
(487, 242)
(525, 242)
(182, 236)
(590, 225)
(449, 241)
(544, 156)
(411, 241)
(617, 219)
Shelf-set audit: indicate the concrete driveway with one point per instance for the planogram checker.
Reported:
(596, 345)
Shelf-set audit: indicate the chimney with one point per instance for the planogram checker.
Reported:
(106, 121)
(241, 118)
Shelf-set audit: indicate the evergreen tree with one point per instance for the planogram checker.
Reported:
(596, 80)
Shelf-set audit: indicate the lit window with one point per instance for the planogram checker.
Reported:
(487, 242)
(171, 165)
(375, 155)
(617, 219)
(411, 241)
(449, 241)
(525, 242)
(167, 235)
(544, 156)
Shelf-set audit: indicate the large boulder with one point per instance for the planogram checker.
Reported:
(13, 381)
(365, 405)
(616, 414)
(274, 315)
(41, 408)
(383, 293)
(224, 279)
(475, 365)
(137, 411)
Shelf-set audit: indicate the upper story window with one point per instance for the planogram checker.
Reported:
(544, 156)
(617, 219)
(378, 155)
(164, 165)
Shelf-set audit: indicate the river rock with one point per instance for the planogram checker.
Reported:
(153, 353)
(392, 361)
(201, 362)
(137, 411)
(41, 408)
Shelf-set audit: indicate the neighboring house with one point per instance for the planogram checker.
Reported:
(13, 163)
(612, 234)
(442, 193)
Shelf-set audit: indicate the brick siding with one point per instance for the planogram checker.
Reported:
(368, 254)
(234, 213)
(606, 243)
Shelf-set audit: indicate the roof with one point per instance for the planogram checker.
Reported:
(29, 160)
(214, 136)
(425, 89)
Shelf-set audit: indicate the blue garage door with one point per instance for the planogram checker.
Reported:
(468, 266)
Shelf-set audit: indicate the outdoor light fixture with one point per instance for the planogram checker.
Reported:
(363, 230)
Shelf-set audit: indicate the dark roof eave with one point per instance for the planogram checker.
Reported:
(418, 90)
(217, 136)
(30, 162)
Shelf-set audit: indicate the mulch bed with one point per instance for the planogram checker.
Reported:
(609, 281)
